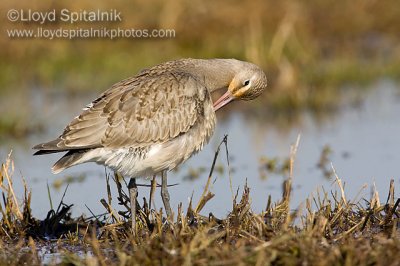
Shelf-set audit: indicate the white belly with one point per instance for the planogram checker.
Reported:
(146, 162)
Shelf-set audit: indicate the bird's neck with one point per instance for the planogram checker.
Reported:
(215, 73)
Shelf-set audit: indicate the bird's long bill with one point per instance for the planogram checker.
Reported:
(223, 100)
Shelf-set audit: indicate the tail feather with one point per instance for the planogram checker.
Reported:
(43, 152)
(59, 145)
(51, 145)
(71, 158)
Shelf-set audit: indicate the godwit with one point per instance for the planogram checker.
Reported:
(152, 122)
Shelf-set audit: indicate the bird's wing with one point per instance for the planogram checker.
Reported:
(139, 111)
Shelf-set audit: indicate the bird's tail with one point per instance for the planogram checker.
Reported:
(71, 158)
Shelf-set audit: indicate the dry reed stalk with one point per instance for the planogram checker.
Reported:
(9, 165)
(206, 195)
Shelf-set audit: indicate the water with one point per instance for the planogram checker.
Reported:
(364, 138)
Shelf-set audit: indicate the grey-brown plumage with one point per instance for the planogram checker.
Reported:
(156, 120)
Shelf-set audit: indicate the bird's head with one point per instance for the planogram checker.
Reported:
(247, 84)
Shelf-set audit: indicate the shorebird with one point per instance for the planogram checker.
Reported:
(152, 122)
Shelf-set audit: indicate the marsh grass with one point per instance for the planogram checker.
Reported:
(328, 229)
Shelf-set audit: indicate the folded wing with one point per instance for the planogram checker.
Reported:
(136, 112)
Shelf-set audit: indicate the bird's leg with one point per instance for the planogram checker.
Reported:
(152, 190)
(133, 192)
(165, 194)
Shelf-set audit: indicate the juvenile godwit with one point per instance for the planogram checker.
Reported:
(152, 122)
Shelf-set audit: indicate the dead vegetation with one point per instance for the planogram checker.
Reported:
(328, 229)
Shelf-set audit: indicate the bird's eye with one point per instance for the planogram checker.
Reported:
(247, 82)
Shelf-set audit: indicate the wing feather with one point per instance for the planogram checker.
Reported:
(149, 108)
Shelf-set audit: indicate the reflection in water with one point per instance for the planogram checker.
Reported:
(363, 139)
